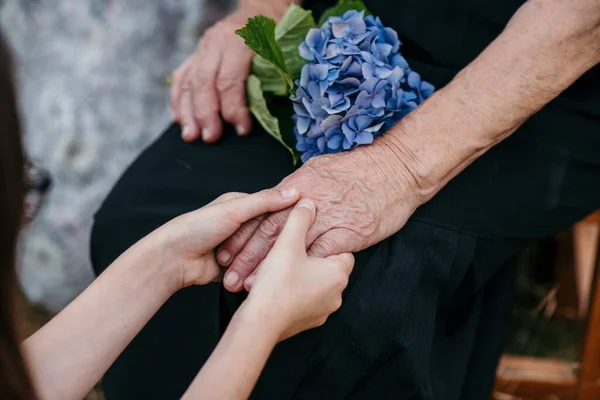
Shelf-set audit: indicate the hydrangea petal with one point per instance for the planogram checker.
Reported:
(348, 133)
(303, 124)
(363, 121)
(414, 79)
(427, 89)
(364, 138)
(335, 142)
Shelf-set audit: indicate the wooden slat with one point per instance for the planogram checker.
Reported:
(590, 364)
(536, 378)
(593, 218)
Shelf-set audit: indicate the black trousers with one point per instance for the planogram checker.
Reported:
(423, 316)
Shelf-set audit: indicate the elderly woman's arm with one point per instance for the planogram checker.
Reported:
(546, 46)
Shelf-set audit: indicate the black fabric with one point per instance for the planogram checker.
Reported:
(424, 314)
(537, 181)
(410, 318)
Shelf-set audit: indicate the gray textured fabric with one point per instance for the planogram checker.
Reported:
(93, 94)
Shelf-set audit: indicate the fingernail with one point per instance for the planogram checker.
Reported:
(250, 280)
(224, 257)
(241, 130)
(307, 203)
(205, 134)
(231, 279)
(288, 193)
(187, 131)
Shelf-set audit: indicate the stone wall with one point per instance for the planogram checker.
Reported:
(93, 94)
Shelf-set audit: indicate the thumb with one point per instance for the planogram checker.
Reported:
(345, 261)
(297, 226)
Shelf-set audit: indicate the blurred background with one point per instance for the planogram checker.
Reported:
(92, 88)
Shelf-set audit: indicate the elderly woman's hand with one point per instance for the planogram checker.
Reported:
(362, 197)
(212, 80)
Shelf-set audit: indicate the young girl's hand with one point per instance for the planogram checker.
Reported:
(295, 292)
(186, 244)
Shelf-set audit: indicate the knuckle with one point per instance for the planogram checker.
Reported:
(226, 84)
(234, 113)
(201, 82)
(245, 263)
(270, 229)
(187, 86)
(342, 281)
(236, 242)
(178, 73)
(325, 246)
(229, 113)
(337, 304)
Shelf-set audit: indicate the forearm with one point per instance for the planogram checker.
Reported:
(69, 355)
(546, 46)
(235, 365)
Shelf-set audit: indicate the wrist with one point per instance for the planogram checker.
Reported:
(153, 254)
(252, 315)
(432, 144)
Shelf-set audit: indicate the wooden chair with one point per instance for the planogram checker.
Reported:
(547, 379)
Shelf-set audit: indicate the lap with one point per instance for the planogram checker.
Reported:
(417, 288)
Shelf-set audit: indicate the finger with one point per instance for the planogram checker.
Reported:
(254, 251)
(233, 245)
(296, 228)
(345, 261)
(332, 242)
(250, 281)
(226, 197)
(189, 129)
(206, 98)
(236, 242)
(269, 200)
(179, 76)
(231, 85)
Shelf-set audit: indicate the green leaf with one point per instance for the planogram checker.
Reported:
(258, 108)
(271, 80)
(341, 8)
(259, 35)
(289, 33)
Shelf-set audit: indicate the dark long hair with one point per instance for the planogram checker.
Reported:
(14, 378)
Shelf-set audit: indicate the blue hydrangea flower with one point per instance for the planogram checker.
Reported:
(354, 86)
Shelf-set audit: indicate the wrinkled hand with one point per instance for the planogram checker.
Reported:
(295, 291)
(212, 80)
(186, 244)
(360, 197)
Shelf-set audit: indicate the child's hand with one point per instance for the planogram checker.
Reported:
(187, 243)
(296, 292)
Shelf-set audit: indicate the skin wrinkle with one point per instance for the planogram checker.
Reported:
(364, 223)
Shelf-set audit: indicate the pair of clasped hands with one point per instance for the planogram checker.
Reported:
(298, 291)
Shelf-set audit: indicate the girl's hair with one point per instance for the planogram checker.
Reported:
(15, 382)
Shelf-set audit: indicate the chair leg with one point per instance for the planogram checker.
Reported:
(589, 378)
(585, 243)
